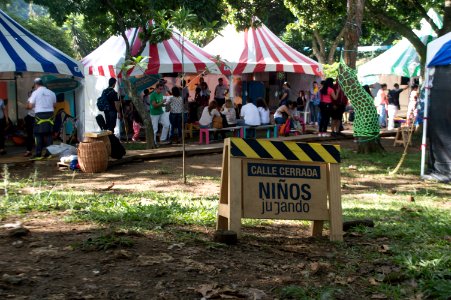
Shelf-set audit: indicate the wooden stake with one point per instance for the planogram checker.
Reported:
(335, 210)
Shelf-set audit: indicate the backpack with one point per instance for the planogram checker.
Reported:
(102, 102)
(117, 150)
(284, 129)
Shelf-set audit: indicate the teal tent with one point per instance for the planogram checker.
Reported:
(401, 59)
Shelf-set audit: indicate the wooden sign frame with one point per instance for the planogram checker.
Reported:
(238, 152)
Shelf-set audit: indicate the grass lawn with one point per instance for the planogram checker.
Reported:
(405, 256)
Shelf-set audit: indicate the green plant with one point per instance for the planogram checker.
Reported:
(105, 242)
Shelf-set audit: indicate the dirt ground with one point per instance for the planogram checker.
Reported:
(43, 264)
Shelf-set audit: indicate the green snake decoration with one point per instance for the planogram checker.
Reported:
(366, 123)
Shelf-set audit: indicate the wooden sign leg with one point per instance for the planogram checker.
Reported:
(224, 208)
(317, 228)
(230, 207)
(335, 210)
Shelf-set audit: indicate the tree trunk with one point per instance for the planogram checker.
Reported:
(353, 31)
(352, 36)
(446, 19)
(141, 108)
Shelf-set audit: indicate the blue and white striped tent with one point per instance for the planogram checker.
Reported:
(22, 51)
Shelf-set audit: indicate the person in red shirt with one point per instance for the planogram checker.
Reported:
(327, 95)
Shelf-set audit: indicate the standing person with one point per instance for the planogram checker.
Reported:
(166, 90)
(114, 105)
(338, 109)
(412, 106)
(43, 101)
(327, 95)
(175, 116)
(301, 101)
(156, 113)
(137, 122)
(146, 99)
(285, 95)
(263, 110)
(381, 102)
(314, 102)
(4, 121)
(29, 126)
(393, 105)
(221, 91)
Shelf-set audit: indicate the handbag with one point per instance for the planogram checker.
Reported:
(217, 122)
(284, 130)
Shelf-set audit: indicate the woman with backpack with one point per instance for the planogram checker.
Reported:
(338, 109)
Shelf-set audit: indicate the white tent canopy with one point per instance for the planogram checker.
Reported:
(164, 57)
(256, 50)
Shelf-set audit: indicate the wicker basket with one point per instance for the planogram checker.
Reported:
(92, 157)
(104, 139)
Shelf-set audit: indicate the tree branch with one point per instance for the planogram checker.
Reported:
(121, 25)
(446, 19)
(404, 30)
(333, 47)
(317, 53)
(320, 41)
(424, 14)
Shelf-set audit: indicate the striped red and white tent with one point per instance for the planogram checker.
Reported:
(164, 57)
(257, 50)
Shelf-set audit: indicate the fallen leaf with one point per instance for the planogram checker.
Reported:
(316, 267)
(177, 245)
(145, 260)
(108, 187)
(381, 239)
(256, 294)
(378, 296)
(340, 280)
(384, 248)
(372, 281)
(206, 289)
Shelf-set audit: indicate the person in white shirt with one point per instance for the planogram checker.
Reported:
(250, 116)
(229, 112)
(208, 114)
(264, 111)
(221, 91)
(43, 101)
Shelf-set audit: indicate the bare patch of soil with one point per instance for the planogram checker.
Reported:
(181, 263)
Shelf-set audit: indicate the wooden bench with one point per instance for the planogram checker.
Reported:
(274, 128)
(402, 136)
(237, 130)
(189, 127)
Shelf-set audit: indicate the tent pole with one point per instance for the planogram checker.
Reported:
(231, 89)
(425, 121)
(17, 98)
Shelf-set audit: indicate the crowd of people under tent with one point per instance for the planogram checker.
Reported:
(324, 105)
(41, 125)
